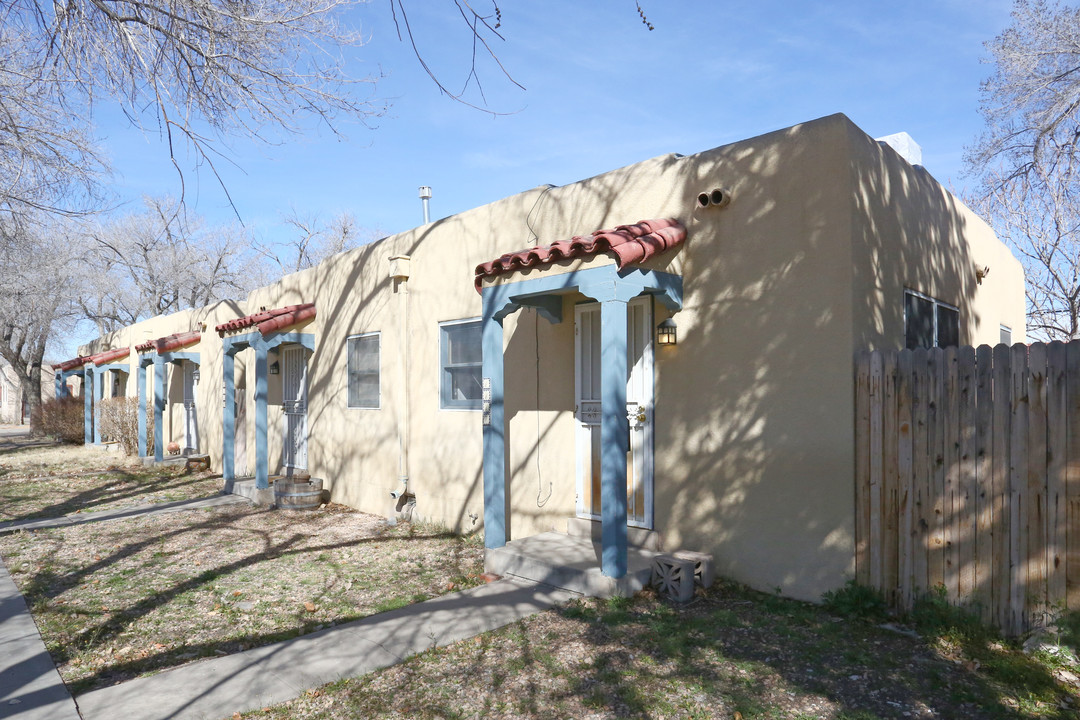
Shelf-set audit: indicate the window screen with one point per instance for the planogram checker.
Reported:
(364, 371)
(462, 356)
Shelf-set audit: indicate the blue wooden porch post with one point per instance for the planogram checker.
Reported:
(159, 408)
(88, 405)
(99, 395)
(228, 469)
(59, 392)
(614, 436)
(140, 395)
(494, 433)
(262, 461)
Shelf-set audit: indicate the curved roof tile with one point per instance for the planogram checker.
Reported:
(630, 244)
(170, 342)
(270, 320)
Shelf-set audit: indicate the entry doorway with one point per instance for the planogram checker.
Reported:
(294, 405)
(191, 418)
(639, 411)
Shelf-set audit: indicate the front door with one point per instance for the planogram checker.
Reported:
(294, 405)
(639, 411)
(191, 420)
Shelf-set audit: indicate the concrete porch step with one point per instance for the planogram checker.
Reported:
(569, 563)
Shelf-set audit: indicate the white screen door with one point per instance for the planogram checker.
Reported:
(191, 420)
(294, 404)
(639, 411)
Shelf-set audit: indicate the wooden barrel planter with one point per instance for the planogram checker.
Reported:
(306, 495)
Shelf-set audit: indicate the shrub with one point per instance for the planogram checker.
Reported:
(61, 418)
(854, 600)
(119, 418)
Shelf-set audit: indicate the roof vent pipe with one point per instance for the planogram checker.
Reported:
(425, 195)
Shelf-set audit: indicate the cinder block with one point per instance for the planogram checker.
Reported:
(704, 571)
(673, 577)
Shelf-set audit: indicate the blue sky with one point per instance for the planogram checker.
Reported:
(601, 92)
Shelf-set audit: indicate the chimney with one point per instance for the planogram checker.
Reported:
(903, 143)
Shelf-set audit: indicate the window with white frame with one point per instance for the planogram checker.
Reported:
(1005, 336)
(461, 358)
(363, 353)
(929, 322)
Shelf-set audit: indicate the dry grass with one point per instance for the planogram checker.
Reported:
(56, 480)
(732, 654)
(119, 599)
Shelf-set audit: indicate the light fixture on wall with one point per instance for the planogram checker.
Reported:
(275, 368)
(195, 374)
(666, 333)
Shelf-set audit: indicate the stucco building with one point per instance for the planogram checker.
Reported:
(500, 369)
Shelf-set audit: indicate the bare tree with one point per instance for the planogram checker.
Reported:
(37, 299)
(1037, 214)
(159, 261)
(1026, 160)
(315, 240)
(1031, 102)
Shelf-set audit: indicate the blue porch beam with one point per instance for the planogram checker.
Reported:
(59, 389)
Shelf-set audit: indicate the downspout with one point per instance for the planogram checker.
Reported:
(399, 273)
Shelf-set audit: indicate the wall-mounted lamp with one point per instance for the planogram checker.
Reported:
(195, 374)
(275, 369)
(666, 333)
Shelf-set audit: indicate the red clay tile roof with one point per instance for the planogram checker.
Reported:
(630, 243)
(109, 355)
(270, 320)
(170, 342)
(73, 363)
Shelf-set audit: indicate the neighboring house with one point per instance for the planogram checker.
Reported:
(14, 406)
(501, 367)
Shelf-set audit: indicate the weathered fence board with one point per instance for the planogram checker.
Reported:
(968, 478)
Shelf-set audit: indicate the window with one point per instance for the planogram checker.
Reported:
(1006, 335)
(929, 322)
(364, 371)
(461, 355)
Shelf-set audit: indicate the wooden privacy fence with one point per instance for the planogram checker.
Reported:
(968, 477)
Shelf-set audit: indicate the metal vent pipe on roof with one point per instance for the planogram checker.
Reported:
(425, 196)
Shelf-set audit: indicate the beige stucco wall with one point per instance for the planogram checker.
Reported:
(753, 416)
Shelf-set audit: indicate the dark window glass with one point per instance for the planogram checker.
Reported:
(948, 327)
(918, 321)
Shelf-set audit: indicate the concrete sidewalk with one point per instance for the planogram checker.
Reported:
(123, 512)
(219, 687)
(30, 686)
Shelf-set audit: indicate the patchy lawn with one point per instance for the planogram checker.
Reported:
(732, 654)
(45, 482)
(120, 599)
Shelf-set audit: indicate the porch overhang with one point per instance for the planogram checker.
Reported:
(159, 353)
(613, 286)
(270, 334)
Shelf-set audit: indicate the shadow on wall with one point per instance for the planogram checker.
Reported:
(755, 441)
(754, 420)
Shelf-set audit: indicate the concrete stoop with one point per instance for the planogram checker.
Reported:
(184, 460)
(245, 487)
(569, 563)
